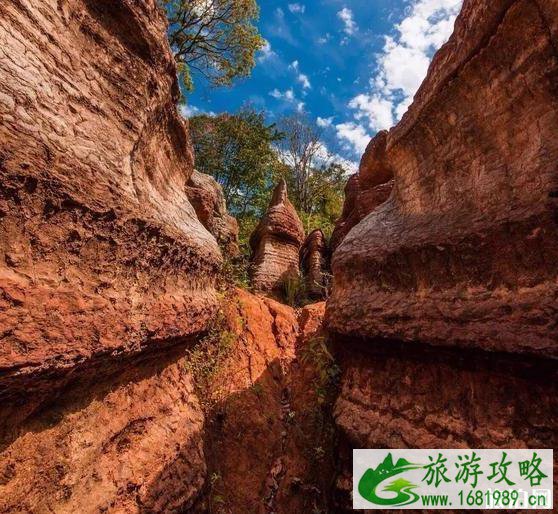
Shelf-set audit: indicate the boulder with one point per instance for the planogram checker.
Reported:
(314, 264)
(206, 196)
(462, 252)
(359, 202)
(276, 244)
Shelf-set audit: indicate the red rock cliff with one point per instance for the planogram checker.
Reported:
(463, 251)
(445, 294)
(105, 271)
(102, 254)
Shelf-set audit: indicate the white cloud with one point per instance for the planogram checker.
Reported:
(373, 108)
(297, 8)
(404, 60)
(355, 136)
(285, 95)
(346, 16)
(323, 157)
(324, 39)
(266, 52)
(188, 111)
(301, 77)
(280, 27)
(324, 122)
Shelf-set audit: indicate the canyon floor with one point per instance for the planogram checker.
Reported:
(135, 378)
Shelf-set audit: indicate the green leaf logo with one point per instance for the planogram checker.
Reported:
(372, 479)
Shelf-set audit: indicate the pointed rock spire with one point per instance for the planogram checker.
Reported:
(276, 243)
(314, 263)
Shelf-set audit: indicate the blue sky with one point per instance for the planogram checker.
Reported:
(352, 66)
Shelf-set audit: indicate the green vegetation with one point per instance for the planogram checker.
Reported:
(293, 290)
(316, 182)
(216, 38)
(207, 358)
(327, 371)
(238, 150)
(247, 156)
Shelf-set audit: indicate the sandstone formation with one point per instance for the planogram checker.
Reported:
(462, 253)
(396, 395)
(276, 243)
(445, 294)
(106, 274)
(269, 433)
(359, 202)
(206, 196)
(314, 264)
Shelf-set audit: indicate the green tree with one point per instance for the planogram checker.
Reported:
(216, 38)
(238, 150)
(316, 180)
(247, 156)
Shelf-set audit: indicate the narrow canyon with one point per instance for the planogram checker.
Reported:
(136, 378)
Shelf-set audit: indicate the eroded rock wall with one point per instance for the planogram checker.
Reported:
(269, 437)
(101, 253)
(462, 253)
(106, 273)
(206, 196)
(445, 293)
(394, 395)
(314, 263)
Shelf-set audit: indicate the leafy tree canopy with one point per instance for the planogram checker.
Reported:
(238, 150)
(216, 38)
(247, 156)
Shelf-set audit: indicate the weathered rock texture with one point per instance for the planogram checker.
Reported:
(101, 253)
(131, 442)
(396, 395)
(276, 244)
(207, 198)
(314, 260)
(140, 440)
(463, 252)
(366, 190)
(269, 435)
(445, 295)
(106, 274)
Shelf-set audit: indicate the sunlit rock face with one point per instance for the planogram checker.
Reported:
(445, 293)
(462, 251)
(314, 264)
(105, 269)
(276, 244)
(206, 196)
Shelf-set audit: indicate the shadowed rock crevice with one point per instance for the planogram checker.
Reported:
(394, 395)
(314, 263)
(142, 414)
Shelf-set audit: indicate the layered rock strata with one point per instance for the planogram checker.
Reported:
(269, 435)
(462, 253)
(445, 295)
(106, 273)
(396, 395)
(314, 260)
(276, 244)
